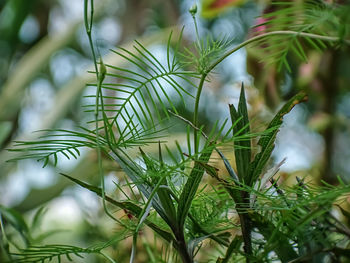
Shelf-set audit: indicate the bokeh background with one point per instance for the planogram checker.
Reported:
(44, 59)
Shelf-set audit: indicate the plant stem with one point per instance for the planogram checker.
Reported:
(182, 248)
(245, 225)
(274, 33)
(195, 114)
(99, 77)
(245, 43)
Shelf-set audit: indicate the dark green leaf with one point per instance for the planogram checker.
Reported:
(163, 194)
(16, 220)
(136, 174)
(191, 186)
(280, 243)
(134, 209)
(242, 147)
(234, 246)
(267, 142)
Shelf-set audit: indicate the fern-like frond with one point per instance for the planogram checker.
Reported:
(204, 52)
(69, 143)
(141, 93)
(313, 17)
(56, 142)
(51, 252)
(211, 209)
(58, 252)
(298, 217)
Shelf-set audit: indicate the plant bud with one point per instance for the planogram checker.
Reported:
(193, 10)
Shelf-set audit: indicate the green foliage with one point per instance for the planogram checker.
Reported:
(142, 97)
(56, 142)
(50, 252)
(204, 53)
(16, 220)
(310, 17)
(132, 104)
(243, 152)
(267, 142)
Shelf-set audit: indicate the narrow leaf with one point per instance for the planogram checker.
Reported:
(134, 209)
(267, 142)
(280, 244)
(242, 148)
(190, 188)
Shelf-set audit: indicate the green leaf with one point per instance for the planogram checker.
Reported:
(234, 246)
(279, 243)
(242, 147)
(163, 194)
(189, 191)
(141, 90)
(56, 142)
(134, 209)
(233, 192)
(313, 17)
(16, 220)
(39, 214)
(267, 142)
(48, 253)
(169, 206)
(137, 175)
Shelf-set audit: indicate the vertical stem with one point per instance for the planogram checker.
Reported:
(245, 225)
(195, 114)
(182, 248)
(330, 89)
(246, 234)
(193, 13)
(99, 77)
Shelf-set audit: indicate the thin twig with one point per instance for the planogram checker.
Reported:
(189, 123)
(279, 190)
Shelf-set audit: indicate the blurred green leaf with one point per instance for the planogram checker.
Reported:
(16, 220)
(191, 186)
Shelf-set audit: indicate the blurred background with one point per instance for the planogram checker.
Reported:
(44, 59)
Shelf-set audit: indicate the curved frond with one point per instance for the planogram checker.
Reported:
(140, 95)
(64, 142)
(313, 17)
(48, 253)
(51, 252)
(69, 143)
(205, 52)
